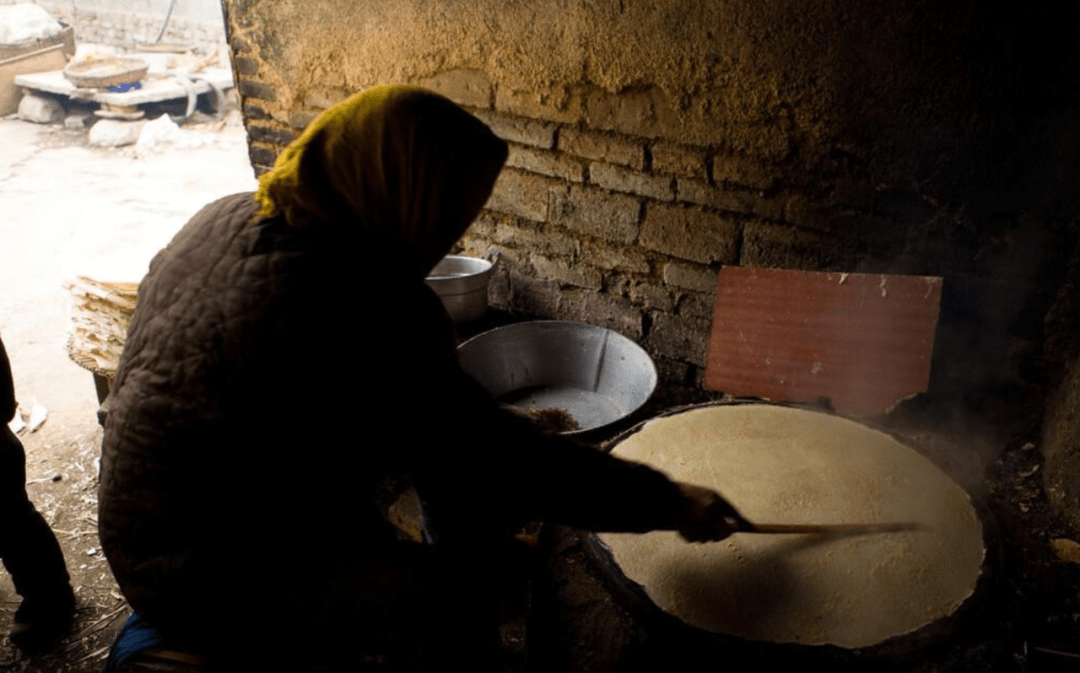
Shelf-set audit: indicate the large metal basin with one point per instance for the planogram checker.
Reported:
(598, 376)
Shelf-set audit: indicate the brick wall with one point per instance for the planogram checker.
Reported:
(594, 224)
(126, 29)
(636, 171)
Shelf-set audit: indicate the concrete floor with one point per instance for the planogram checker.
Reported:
(69, 208)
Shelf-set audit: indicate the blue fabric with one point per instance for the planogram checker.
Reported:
(134, 637)
(125, 86)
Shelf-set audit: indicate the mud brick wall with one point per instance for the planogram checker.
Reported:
(199, 24)
(653, 142)
(601, 224)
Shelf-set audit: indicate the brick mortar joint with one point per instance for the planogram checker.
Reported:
(739, 240)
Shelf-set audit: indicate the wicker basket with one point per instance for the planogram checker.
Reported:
(65, 37)
(106, 71)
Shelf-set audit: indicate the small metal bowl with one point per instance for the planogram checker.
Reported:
(462, 284)
(596, 375)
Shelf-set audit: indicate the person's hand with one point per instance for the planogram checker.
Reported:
(707, 517)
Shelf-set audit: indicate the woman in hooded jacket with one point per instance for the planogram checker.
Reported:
(273, 380)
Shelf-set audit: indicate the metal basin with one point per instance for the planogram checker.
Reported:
(462, 285)
(598, 376)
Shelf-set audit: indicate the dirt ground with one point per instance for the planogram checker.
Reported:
(67, 207)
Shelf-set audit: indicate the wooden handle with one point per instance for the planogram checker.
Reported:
(838, 528)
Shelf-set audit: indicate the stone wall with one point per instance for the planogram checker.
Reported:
(198, 24)
(653, 142)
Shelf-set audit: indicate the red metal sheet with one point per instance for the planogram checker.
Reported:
(863, 340)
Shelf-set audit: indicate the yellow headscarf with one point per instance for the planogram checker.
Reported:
(409, 169)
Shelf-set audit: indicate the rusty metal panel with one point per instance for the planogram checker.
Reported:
(862, 340)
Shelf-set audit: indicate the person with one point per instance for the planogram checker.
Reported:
(286, 362)
(30, 552)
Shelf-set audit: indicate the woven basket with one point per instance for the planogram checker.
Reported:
(66, 37)
(106, 71)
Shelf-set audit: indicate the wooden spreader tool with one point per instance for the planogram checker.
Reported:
(742, 525)
(831, 529)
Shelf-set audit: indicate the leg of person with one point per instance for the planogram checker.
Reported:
(31, 554)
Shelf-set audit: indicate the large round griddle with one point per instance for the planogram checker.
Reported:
(785, 465)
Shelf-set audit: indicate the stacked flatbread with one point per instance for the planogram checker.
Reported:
(100, 315)
(783, 465)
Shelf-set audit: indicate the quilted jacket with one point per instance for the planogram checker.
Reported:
(270, 380)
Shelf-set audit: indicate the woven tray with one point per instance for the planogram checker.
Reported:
(106, 71)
